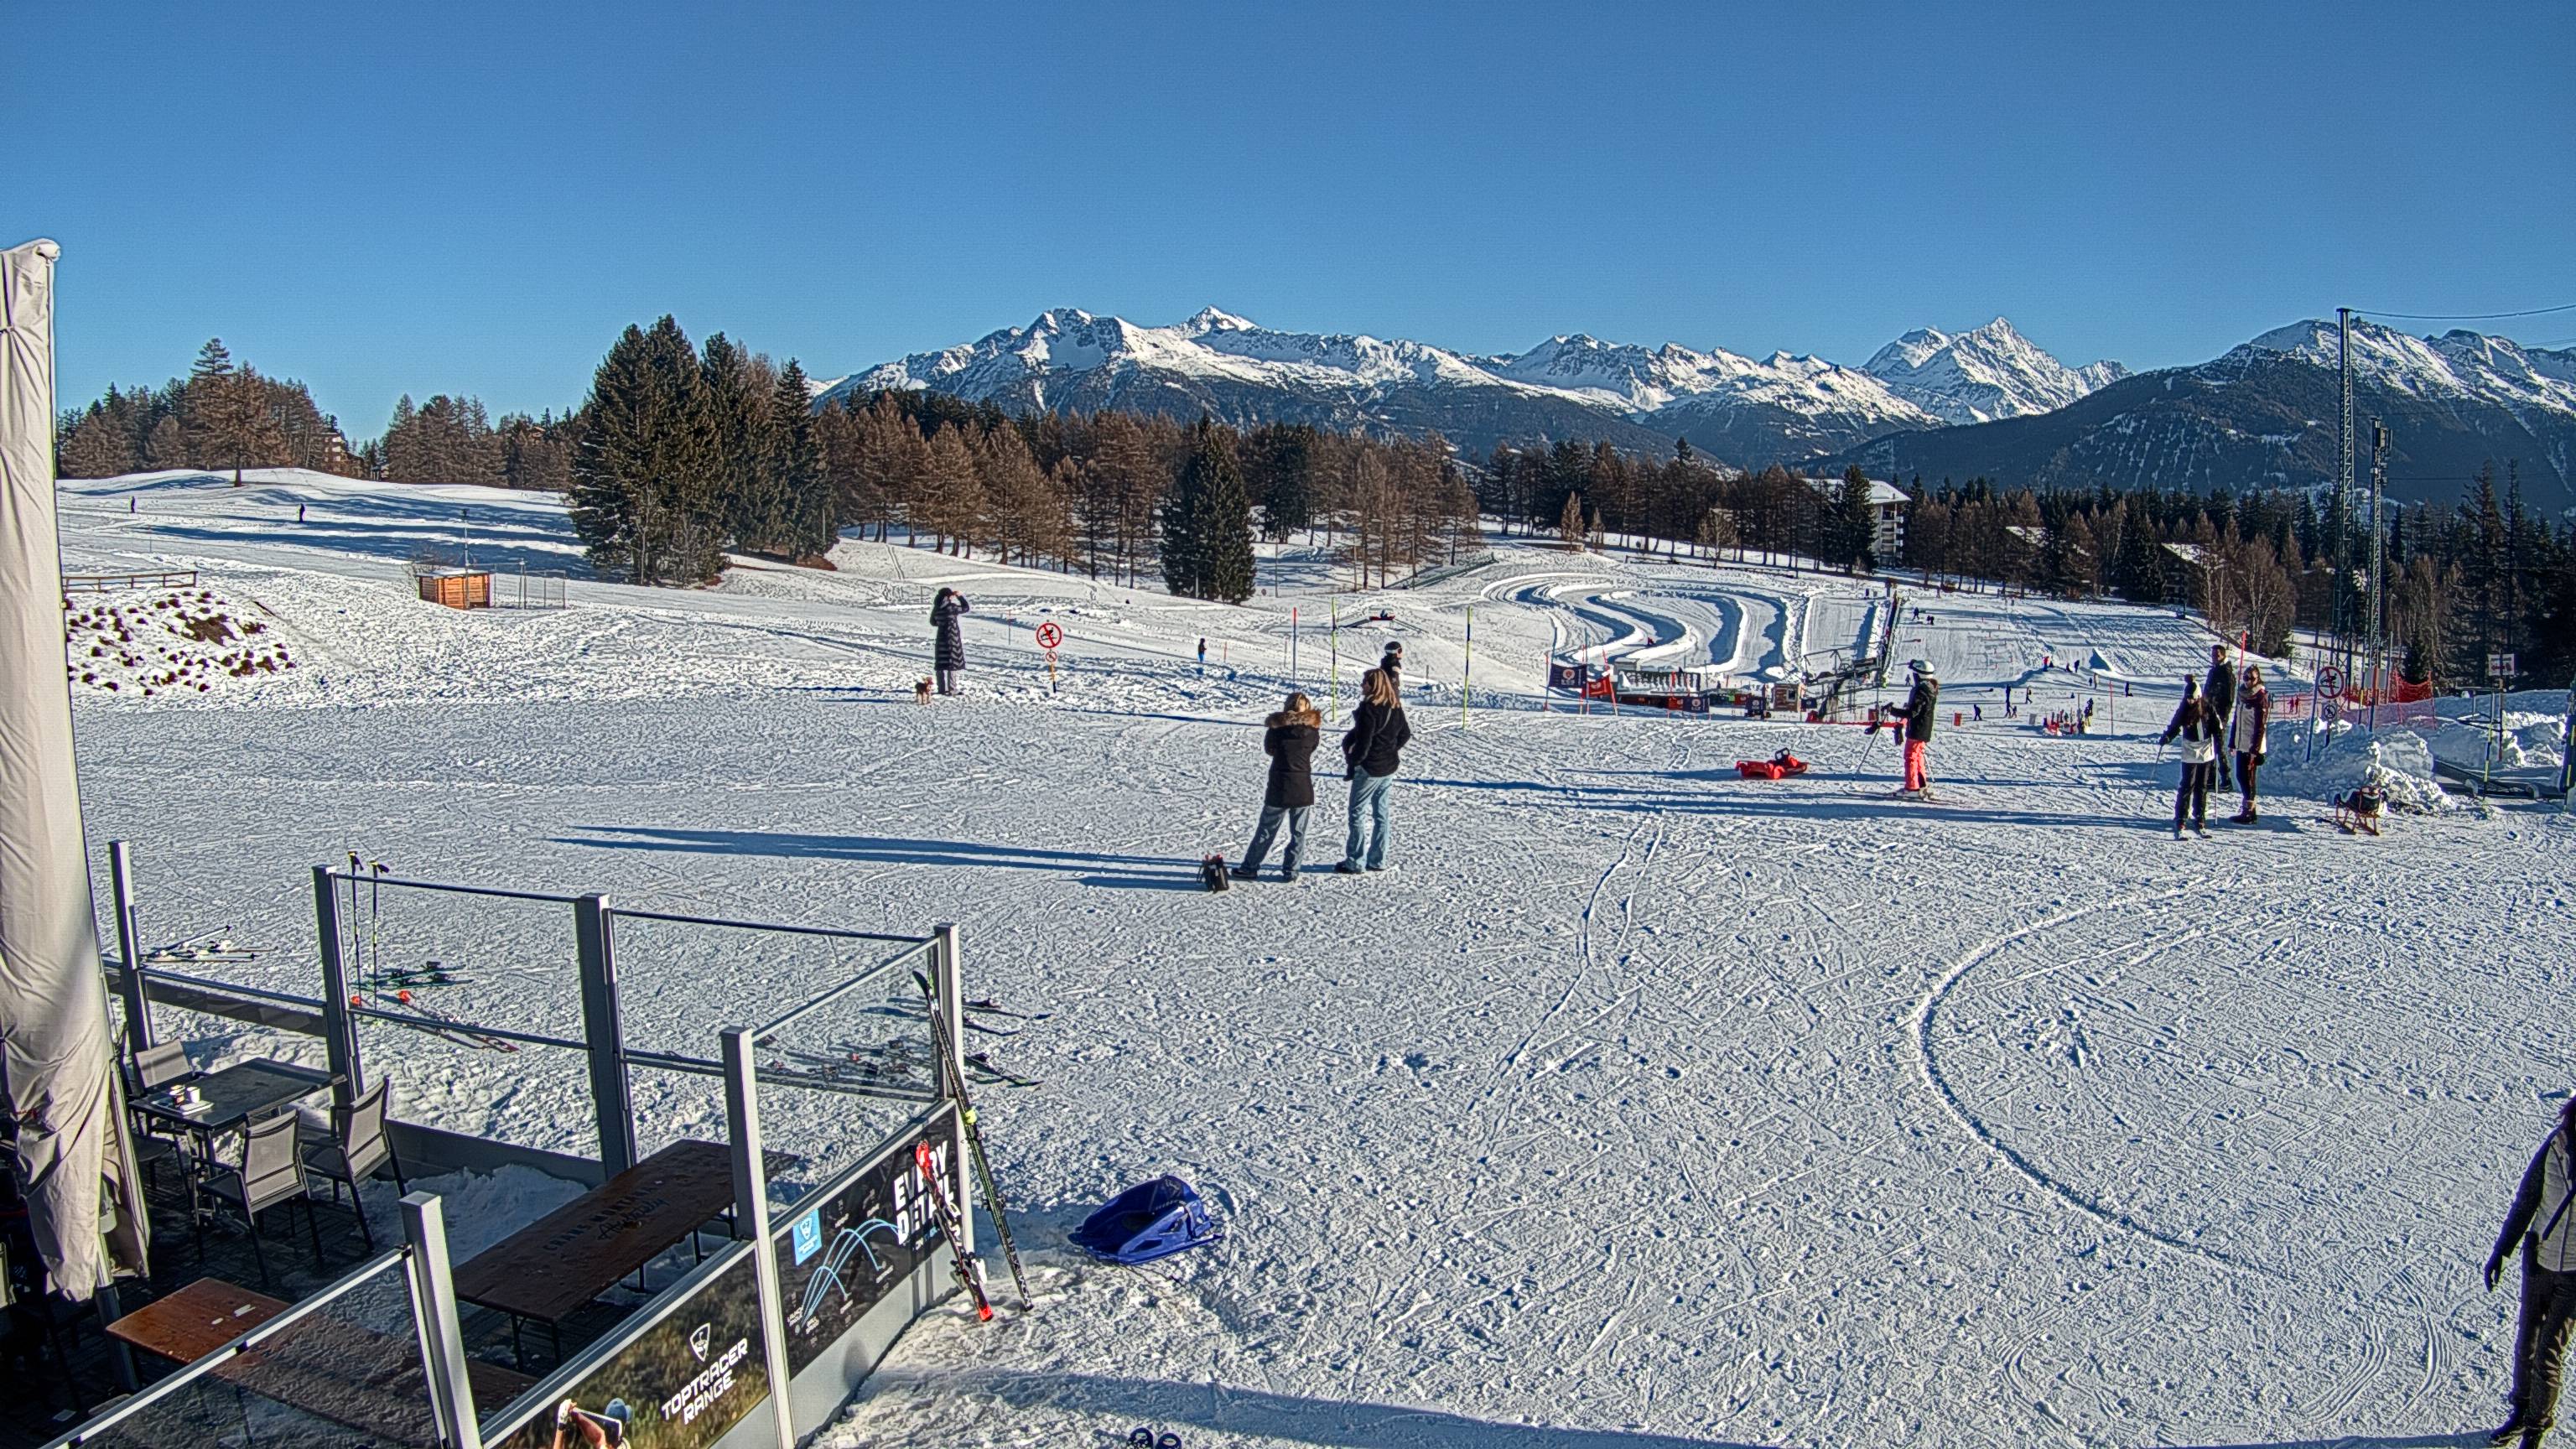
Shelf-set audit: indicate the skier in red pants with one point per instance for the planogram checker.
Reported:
(1917, 712)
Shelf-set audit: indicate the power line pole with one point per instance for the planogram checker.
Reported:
(2378, 593)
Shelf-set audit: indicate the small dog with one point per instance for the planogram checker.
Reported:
(921, 691)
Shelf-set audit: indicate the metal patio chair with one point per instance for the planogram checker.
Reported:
(270, 1175)
(353, 1149)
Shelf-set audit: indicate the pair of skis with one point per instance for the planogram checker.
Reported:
(451, 1029)
(966, 1266)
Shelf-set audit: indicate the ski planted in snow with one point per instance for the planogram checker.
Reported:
(970, 1273)
(939, 1042)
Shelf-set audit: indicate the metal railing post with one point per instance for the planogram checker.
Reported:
(751, 1218)
(951, 1006)
(129, 950)
(339, 1029)
(442, 1344)
(610, 1092)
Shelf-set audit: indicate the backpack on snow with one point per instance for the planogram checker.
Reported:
(1212, 873)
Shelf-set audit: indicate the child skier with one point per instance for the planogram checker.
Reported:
(1917, 713)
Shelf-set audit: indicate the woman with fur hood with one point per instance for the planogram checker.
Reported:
(1289, 739)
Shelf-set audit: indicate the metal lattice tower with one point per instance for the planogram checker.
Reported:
(2343, 483)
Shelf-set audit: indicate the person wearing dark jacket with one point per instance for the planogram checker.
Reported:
(2541, 1226)
(2199, 734)
(2245, 738)
(1289, 739)
(1393, 663)
(1378, 734)
(1921, 703)
(2218, 690)
(948, 625)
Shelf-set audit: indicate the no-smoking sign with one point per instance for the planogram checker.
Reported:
(1049, 635)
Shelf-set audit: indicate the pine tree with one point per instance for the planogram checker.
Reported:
(1855, 519)
(1569, 521)
(795, 467)
(738, 399)
(642, 498)
(952, 496)
(1220, 518)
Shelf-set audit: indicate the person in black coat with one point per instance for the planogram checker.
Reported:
(2218, 690)
(1393, 663)
(2200, 735)
(1289, 739)
(1378, 735)
(948, 626)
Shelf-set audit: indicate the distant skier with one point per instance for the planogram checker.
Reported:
(1916, 712)
(1393, 663)
(299, 513)
(1288, 738)
(2199, 734)
(948, 622)
(1378, 734)
(2218, 691)
(2245, 737)
(1202, 654)
(2540, 1224)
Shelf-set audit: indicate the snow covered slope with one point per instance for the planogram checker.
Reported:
(1643, 1107)
(1978, 376)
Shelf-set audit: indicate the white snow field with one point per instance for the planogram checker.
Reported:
(1642, 1107)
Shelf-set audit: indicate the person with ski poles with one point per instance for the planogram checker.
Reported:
(2200, 735)
(1917, 711)
(1289, 739)
(948, 628)
(2540, 1224)
(2245, 738)
(1378, 734)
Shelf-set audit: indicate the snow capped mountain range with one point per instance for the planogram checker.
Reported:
(1984, 402)
(1729, 404)
(2265, 414)
(1977, 377)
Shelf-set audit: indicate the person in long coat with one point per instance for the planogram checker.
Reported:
(2245, 737)
(1289, 739)
(948, 626)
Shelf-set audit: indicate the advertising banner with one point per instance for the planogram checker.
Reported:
(680, 1385)
(839, 1255)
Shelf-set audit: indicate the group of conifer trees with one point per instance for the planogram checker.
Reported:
(1596, 494)
(222, 415)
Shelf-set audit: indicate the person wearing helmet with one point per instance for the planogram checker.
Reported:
(1916, 712)
(2540, 1225)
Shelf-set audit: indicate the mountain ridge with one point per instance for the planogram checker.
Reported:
(1961, 404)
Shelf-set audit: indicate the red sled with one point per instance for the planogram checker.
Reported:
(1779, 767)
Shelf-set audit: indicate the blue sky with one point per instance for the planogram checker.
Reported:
(477, 198)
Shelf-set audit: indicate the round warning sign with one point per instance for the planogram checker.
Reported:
(1049, 635)
(2330, 682)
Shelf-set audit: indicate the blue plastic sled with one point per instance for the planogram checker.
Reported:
(1148, 1221)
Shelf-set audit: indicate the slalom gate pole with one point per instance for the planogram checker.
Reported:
(1292, 645)
(1467, 670)
(1333, 638)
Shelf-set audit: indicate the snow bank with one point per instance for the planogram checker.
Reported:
(2398, 760)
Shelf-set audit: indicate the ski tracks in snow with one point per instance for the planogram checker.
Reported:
(1927, 1063)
